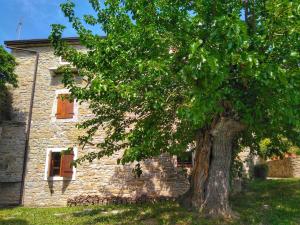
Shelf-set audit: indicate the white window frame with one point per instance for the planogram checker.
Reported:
(48, 152)
(54, 108)
(62, 62)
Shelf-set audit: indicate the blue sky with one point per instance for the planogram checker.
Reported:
(37, 16)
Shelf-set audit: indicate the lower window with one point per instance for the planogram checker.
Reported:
(55, 164)
(59, 164)
(185, 159)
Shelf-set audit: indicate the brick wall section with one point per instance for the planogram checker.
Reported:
(288, 167)
(103, 177)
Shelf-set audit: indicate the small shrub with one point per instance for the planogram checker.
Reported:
(260, 171)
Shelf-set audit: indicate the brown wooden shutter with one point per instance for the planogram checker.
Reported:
(66, 167)
(65, 107)
(59, 112)
(69, 108)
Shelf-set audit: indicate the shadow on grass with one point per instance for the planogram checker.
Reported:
(149, 214)
(271, 202)
(91, 212)
(13, 222)
(274, 202)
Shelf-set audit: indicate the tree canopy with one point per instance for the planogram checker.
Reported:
(7, 76)
(170, 73)
(175, 65)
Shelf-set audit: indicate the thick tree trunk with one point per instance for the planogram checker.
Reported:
(216, 202)
(209, 189)
(194, 198)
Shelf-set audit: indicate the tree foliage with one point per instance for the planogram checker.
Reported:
(7, 76)
(7, 66)
(167, 68)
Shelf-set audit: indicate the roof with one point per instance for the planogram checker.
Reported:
(37, 42)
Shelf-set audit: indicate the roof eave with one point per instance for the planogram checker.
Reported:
(38, 42)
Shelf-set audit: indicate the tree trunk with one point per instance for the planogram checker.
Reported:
(209, 188)
(216, 202)
(194, 198)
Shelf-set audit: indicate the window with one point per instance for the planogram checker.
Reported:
(55, 164)
(59, 164)
(185, 159)
(63, 61)
(65, 107)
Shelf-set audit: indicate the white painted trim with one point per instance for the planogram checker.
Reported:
(53, 70)
(61, 62)
(54, 108)
(48, 152)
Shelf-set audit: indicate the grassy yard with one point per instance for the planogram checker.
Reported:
(275, 202)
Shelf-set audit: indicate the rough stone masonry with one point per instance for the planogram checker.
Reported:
(161, 176)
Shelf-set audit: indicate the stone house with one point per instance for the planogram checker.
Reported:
(33, 172)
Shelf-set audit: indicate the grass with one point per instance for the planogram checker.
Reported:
(271, 202)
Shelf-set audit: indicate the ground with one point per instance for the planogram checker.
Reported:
(271, 202)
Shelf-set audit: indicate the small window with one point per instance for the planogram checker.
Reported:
(65, 107)
(60, 164)
(55, 164)
(185, 159)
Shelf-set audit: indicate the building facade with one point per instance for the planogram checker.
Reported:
(49, 178)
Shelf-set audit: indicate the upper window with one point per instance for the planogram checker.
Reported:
(65, 107)
(63, 61)
(59, 164)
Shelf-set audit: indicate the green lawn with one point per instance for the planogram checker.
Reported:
(274, 202)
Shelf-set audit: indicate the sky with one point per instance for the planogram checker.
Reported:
(36, 17)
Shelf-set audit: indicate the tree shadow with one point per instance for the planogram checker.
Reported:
(269, 202)
(160, 177)
(13, 222)
(149, 214)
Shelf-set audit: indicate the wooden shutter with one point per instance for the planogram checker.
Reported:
(69, 108)
(65, 107)
(59, 112)
(66, 167)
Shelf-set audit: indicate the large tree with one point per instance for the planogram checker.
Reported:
(171, 73)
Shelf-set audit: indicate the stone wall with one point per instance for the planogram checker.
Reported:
(249, 160)
(12, 139)
(102, 177)
(12, 144)
(288, 167)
